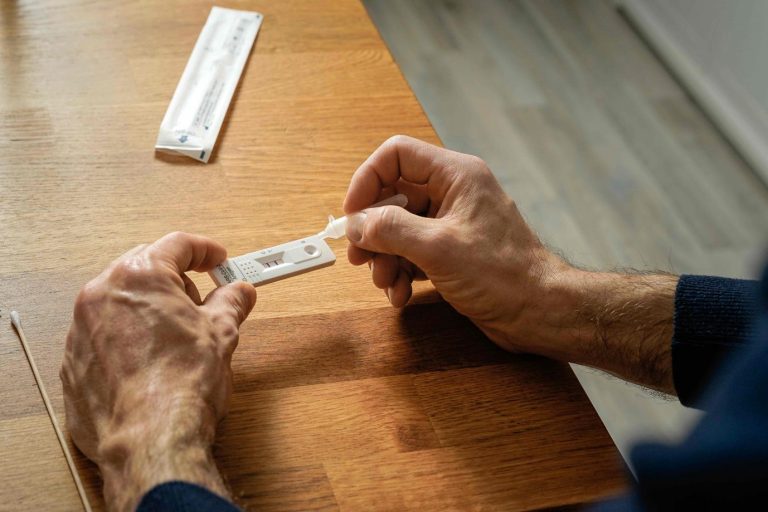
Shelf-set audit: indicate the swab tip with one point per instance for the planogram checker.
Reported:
(16, 319)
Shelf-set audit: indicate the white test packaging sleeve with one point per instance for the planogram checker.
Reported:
(278, 262)
(194, 117)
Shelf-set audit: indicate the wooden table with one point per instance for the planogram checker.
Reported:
(340, 401)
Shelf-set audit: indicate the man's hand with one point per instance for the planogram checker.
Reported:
(461, 231)
(146, 371)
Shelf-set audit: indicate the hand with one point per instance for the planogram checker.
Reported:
(146, 371)
(461, 231)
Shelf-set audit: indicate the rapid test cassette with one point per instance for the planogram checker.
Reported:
(289, 259)
(278, 262)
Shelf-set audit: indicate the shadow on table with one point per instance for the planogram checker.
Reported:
(352, 388)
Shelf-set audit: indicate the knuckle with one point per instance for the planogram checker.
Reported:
(227, 327)
(130, 272)
(477, 163)
(481, 170)
(397, 140)
(489, 177)
(88, 295)
(225, 319)
(477, 172)
(230, 331)
(177, 236)
(382, 225)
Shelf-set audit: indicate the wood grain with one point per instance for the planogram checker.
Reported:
(341, 402)
(29, 450)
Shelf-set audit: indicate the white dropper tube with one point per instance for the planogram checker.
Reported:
(337, 228)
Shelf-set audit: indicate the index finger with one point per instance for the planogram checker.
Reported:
(399, 157)
(183, 252)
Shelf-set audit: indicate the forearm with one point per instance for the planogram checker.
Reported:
(620, 323)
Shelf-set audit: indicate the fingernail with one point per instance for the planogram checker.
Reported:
(355, 222)
(389, 294)
(398, 200)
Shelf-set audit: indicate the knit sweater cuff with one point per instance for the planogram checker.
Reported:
(713, 316)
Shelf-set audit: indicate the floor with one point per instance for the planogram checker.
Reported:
(607, 156)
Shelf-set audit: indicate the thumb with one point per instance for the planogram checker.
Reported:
(392, 230)
(233, 301)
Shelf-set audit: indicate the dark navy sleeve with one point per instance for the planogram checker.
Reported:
(714, 316)
(723, 463)
(183, 497)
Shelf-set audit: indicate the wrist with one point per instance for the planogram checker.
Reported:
(554, 322)
(154, 444)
